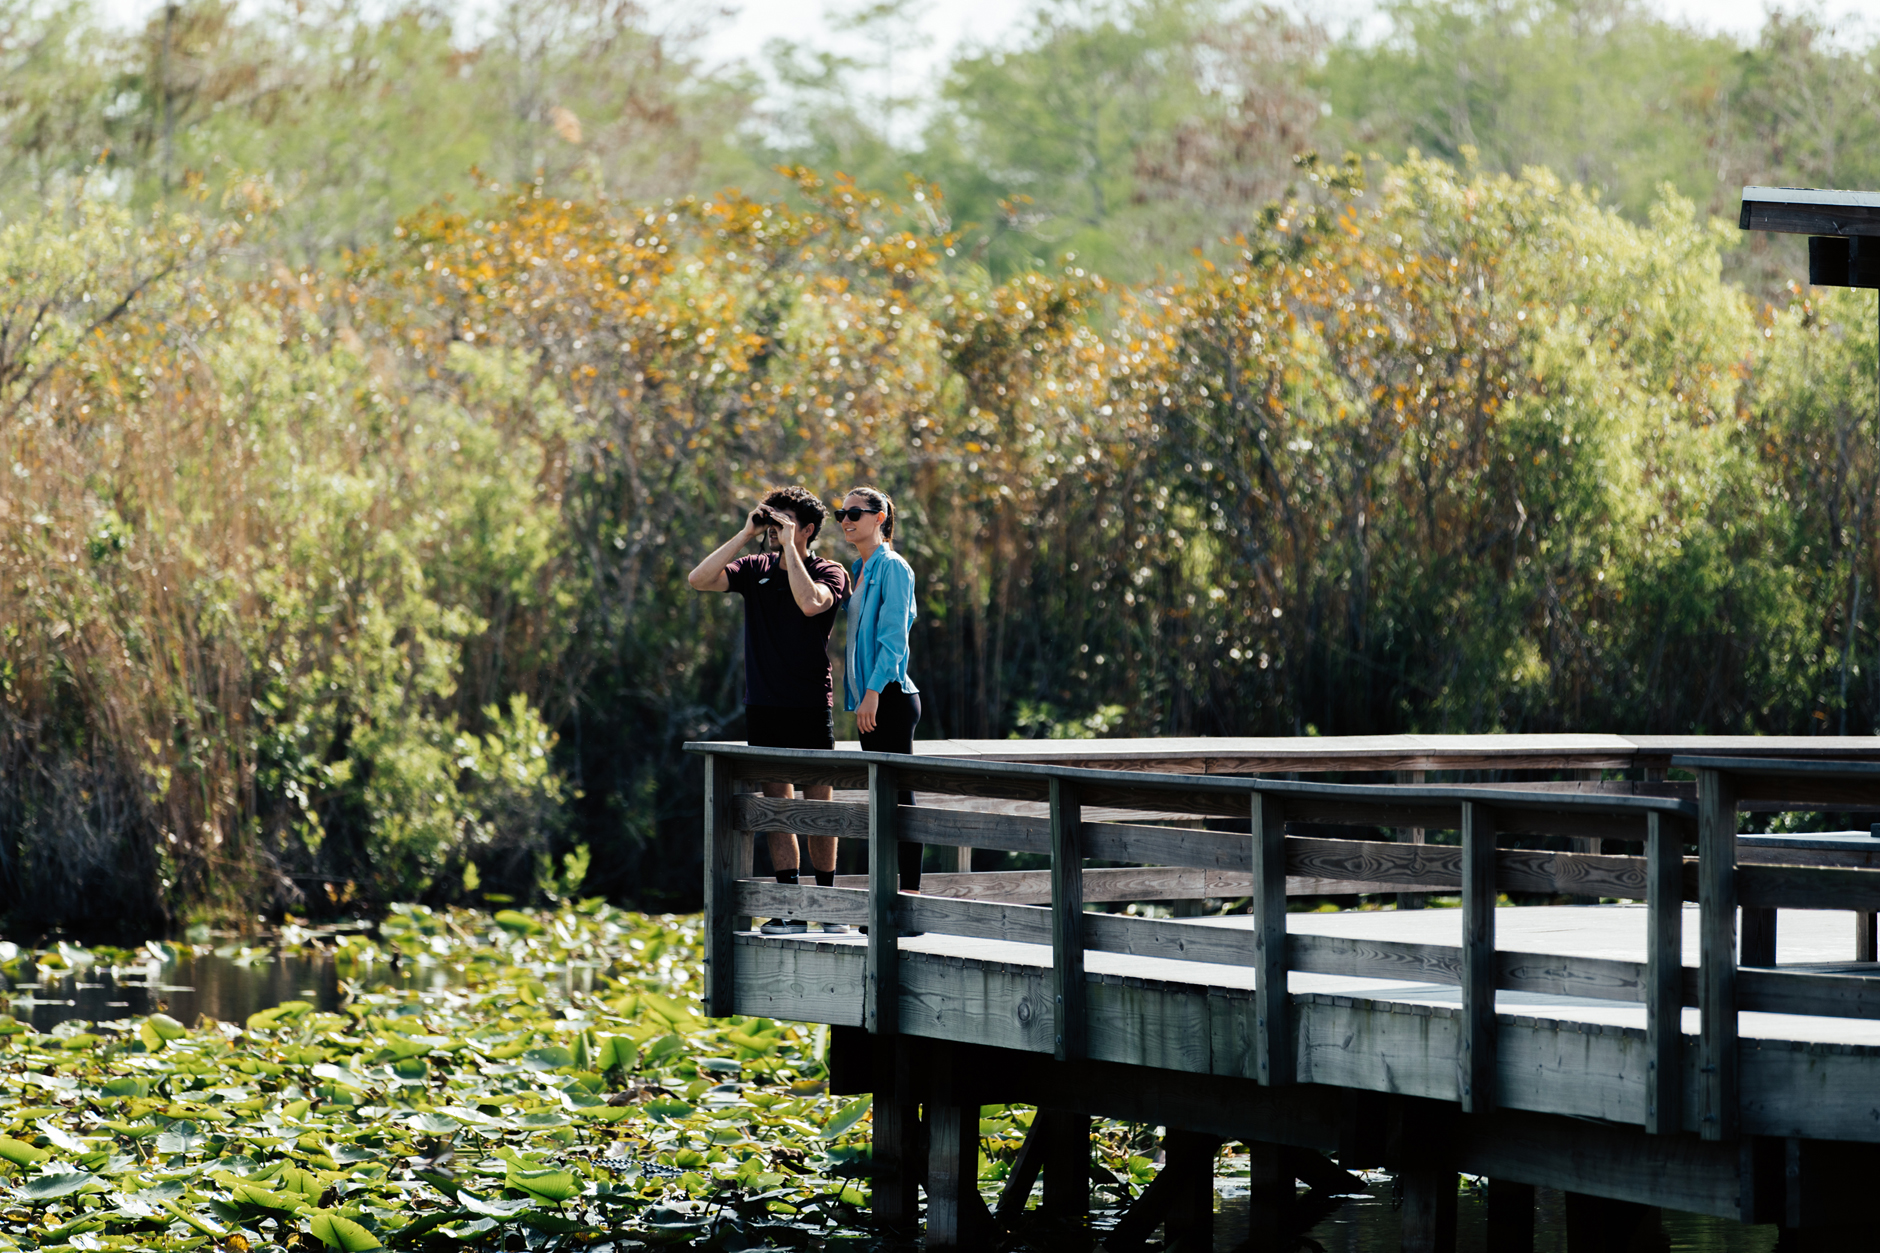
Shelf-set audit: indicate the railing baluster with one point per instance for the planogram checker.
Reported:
(1272, 1019)
(721, 887)
(1664, 977)
(1476, 1077)
(882, 1012)
(1067, 919)
(1716, 898)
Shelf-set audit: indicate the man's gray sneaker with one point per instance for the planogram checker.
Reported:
(785, 926)
(836, 928)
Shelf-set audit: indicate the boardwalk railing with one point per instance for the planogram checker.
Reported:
(1266, 863)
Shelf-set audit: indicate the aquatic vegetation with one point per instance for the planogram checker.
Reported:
(546, 1080)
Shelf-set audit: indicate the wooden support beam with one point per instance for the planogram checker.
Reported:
(1664, 979)
(1866, 936)
(1429, 1209)
(1174, 1197)
(1716, 871)
(1410, 835)
(1025, 1169)
(1763, 1161)
(1510, 1217)
(1066, 1198)
(1475, 1077)
(1067, 920)
(1273, 1063)
(1758, 945)
(957, 1217)
(881, 1012)
(898, 1164)
(721, 886)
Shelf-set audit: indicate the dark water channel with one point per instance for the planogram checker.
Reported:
(230, 987)
(1370, 1224)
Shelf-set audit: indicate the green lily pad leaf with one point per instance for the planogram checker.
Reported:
(847, 1117)
(554, 1057)
(547, 1185)
(666, 1107)
(181, 1137)
(127, 1086)
(518, 923)
(21, 1153)
(434, 1124)
(721, 1065)
(497, 1208)
(166, 1027)
(339, 1232)
(51, 1187)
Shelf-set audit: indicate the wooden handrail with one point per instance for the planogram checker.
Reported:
(1265, 862)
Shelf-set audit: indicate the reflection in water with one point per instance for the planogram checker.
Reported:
(229, 989)
(223, 988)
(1368, 1224)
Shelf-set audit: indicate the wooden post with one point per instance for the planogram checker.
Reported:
(1510, 1217)
(1865, 935)
(956, 1214)
(1067, 920)
(1716, 895)
(1664, 977)
(1272, 1019)
(962, 860)
(1429, 1209)
(1025, 1168)
(898, 1167)
(1066, 1196)
(882, 1010)
(1271, 1197)
(1180, 1199)
(1758, 945)
(1410, 835)
(1476, 1065)
(721, 888)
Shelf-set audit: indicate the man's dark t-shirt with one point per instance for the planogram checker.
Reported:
(786, 655)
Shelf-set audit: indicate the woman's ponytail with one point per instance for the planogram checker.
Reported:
(880, 502)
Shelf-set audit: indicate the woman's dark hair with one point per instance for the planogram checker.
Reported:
(802, 502)
(880, 502)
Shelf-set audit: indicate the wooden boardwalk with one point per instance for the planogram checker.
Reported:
(1631, 1055)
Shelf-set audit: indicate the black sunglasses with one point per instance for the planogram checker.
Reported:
(853, 515)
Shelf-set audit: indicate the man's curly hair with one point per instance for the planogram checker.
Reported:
(810, 512)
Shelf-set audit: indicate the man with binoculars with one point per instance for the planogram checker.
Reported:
(790, 599)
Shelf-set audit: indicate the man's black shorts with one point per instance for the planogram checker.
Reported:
(783, 726)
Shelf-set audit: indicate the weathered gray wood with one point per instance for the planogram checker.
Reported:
(1717, 893)
(1124, 883)
(1823, 993)
(753, 812)
(1066, 1198)
(963, 859)
(1010, 833)
(1067, 919)
(956, 1215)
(1188, 1165)
(1272, 1023)
(1807, 887)
(1016, 1190)
(720, 889)
(1757, 944)
(1429, 1208)
(985, 920)
(1664, 979)
(1167, 846)
(1577, 1155)
(1476, 1061)
(1866, 936)
(882, 1014)
(803, 900)
(802, 982)
(1440, 865)
(1411, 835)
(899, 1166)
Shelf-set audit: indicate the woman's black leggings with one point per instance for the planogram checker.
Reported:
(895, 718)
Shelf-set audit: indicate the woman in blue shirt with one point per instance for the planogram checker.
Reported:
(876, 687)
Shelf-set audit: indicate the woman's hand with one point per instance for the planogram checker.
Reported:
(865, 712)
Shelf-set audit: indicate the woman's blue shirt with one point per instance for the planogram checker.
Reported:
(879, 618)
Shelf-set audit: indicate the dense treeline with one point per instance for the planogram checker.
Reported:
(342, 546)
